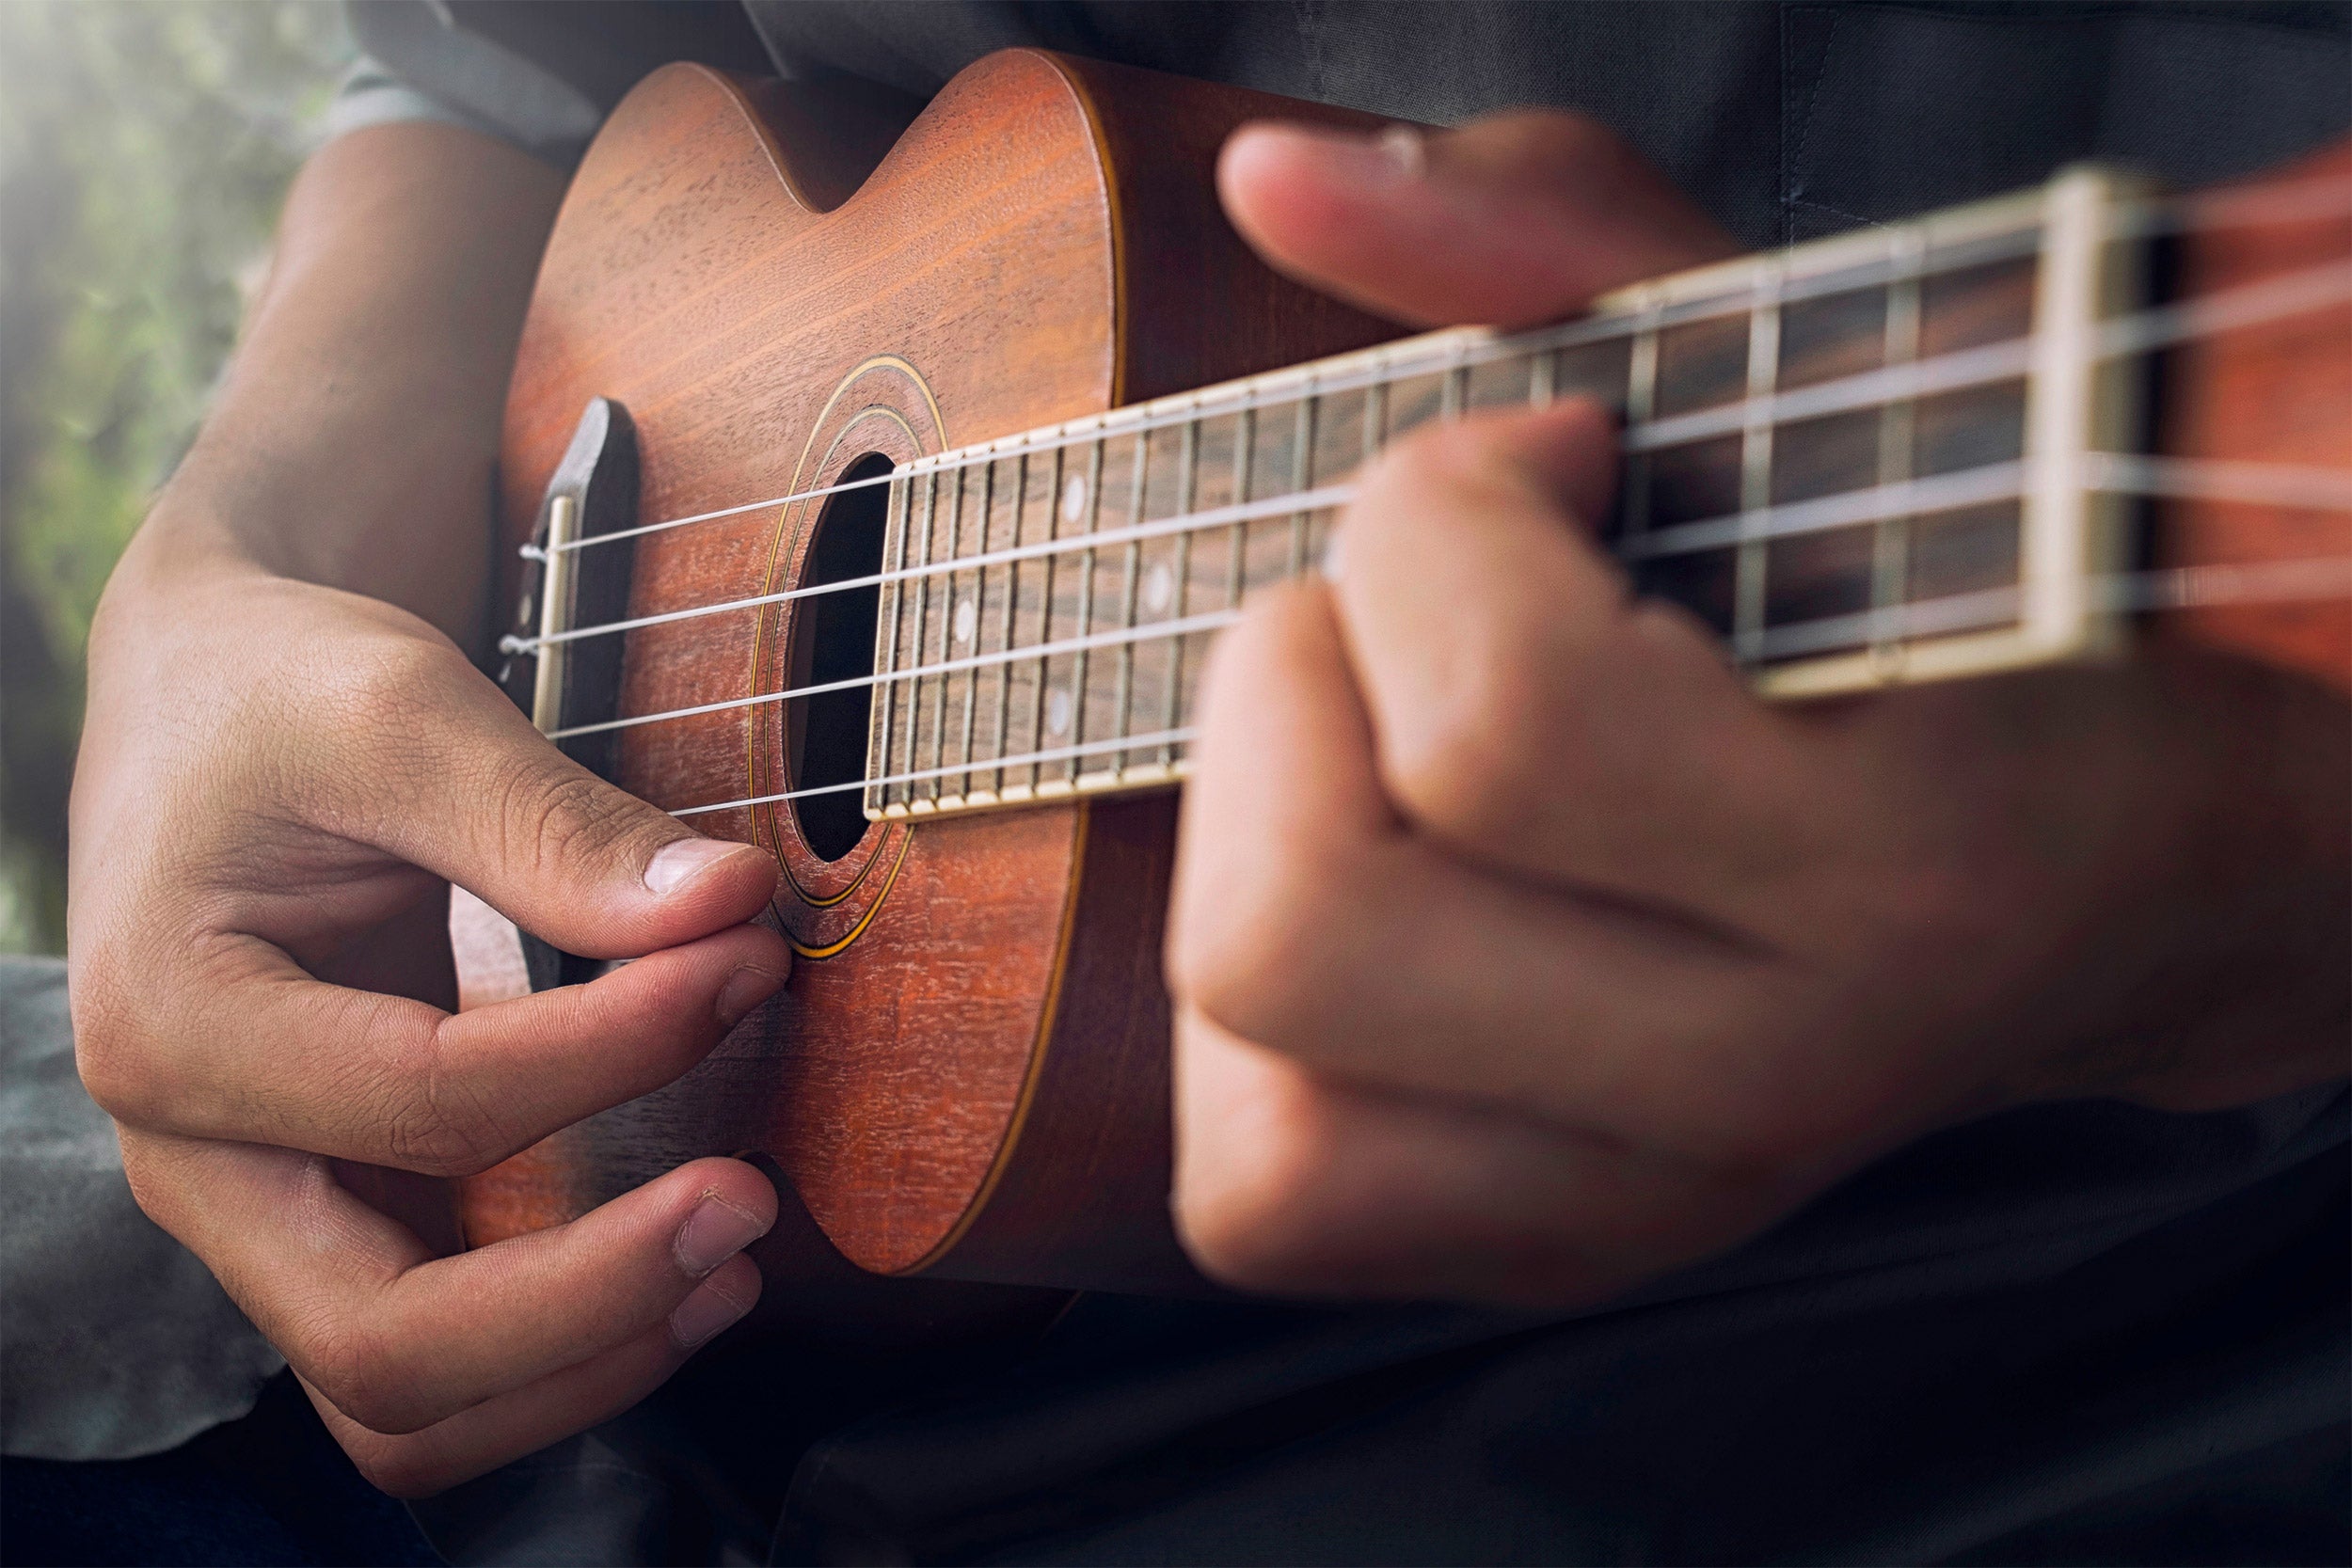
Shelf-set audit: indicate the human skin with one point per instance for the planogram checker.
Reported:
(287, 753)
(1531, 954)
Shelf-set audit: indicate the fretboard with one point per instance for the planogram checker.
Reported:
(1870, 459)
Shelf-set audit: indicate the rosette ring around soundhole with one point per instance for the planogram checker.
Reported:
(838, 867)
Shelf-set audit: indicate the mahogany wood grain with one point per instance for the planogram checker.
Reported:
(970, 995)
(967, 1077)
(2276, 393)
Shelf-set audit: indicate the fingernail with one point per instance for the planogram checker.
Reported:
(1386, 157)
(674, 865)
(714, 1233)
(746, 989)
(1329, 565)
(1403, 146)
(704, 1313)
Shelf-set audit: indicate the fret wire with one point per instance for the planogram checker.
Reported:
(2277, 581)
(1146, 632)
(1056, 754)
(1013, 597)
(1236, 536)
(1302, 479)
(947, 629)
(1045, 609)
(2229, 310)
(971, 681)
(922, 618)
(1453, 392)
(887, 631)
(2202, 315)
(1376, 419)
(1621, 324)
(1641, 405)
(1951, 255)
(2260, 485)
(1187, 465)
(1133, 571)
(1755, 471)
(1890, 539)
(1999, 361)
(1079, 674)
(1542, 373)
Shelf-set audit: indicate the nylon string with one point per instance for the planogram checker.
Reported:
(2318, 489)
(2176, 588)
(2297, 293)
(2302, 201)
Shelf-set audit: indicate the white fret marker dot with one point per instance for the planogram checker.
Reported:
(1073, 499)
(1159, 588)
(967, 618)
(1057, 711)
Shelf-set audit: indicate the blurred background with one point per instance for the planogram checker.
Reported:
(145, 146)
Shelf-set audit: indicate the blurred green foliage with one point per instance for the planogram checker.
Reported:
(145, 146)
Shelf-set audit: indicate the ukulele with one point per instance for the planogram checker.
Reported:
(870, 492)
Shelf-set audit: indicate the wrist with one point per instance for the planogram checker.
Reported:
(232, 513)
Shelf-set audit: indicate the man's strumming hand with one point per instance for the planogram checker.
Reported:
(287, 759)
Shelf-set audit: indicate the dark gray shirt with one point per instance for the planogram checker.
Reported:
(2081, 1332)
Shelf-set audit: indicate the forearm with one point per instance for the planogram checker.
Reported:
(355, 436)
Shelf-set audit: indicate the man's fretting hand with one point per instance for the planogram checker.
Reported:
(1521, 953)
(286, 759)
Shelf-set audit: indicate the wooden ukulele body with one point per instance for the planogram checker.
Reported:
(784, 286)
(967, 1073)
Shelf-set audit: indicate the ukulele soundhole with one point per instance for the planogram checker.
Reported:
(833, 639)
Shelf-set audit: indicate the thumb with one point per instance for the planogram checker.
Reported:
(558, 851)
(1515, 219)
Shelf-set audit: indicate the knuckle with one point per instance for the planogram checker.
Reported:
(551, 817)
(382, 682)
(397, 1468)
(1253, 1214)
(110, 1046)
(147, 1190)
(1251, 954)
(420, 1138)
(439, 1124)
(104, 1057)
(360, 1375)
(1476, 766)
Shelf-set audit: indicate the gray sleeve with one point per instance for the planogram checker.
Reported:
(539, 76)
(114, 1340)
(474, 84)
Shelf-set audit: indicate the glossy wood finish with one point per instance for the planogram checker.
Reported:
(1040, 243)
(2277, 393)
(967, 1076)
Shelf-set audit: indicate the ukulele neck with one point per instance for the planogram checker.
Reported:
(1906, 453)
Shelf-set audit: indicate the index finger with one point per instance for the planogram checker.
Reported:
(1532, 715)
(258, 1051)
